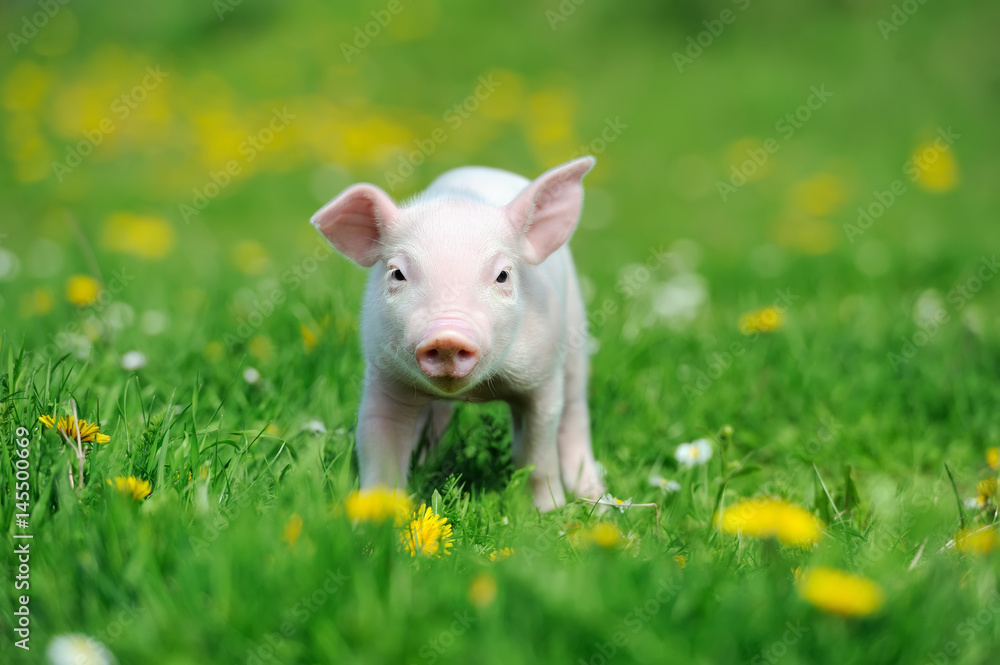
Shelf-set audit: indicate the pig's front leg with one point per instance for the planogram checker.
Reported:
(387, 432)
(535, 429)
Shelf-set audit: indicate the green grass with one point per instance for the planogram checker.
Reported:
(200, 571)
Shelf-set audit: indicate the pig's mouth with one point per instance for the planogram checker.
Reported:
(449, 385)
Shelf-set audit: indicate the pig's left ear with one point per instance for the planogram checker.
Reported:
(353, 222)
(546, 211)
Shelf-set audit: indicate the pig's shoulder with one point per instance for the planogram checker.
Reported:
(493, 186)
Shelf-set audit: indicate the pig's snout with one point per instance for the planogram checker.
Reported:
(448, 350)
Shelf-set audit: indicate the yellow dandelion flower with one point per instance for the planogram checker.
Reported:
(764, 320)
(936, 168)
(68, 426)
(771, 518)
(838, 592)
(309, 337)
(377, 505)
(82, 290)
(250, 257)
(500, 555)
(39, 301)
(993, 457)
(981, 541)
(681, 561)
(428, 534)
(260, 347)
(137, 489)
(483, 590)
(144, 236)
(987, 489)
(293, 529)
(601, 534)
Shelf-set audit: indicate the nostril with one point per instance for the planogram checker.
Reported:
(465, 355)
(431, 354)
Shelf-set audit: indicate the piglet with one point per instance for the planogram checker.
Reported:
(472, 295)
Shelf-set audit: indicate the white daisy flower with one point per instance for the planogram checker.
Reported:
(314, 427)
(666, 486)
(975, 503)
(251, 375)
(133, 360)
(609, 500)
(693, 454)
(78, 650)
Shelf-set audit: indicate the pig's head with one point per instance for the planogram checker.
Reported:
(445, 296)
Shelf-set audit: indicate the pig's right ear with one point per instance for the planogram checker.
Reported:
(353, 222)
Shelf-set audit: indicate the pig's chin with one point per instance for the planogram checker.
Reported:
(449, 385)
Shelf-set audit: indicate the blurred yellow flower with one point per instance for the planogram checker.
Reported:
(936, 168)
(69, 427)
(840, 593)
(749, 156)
(500, 555)
(980, 541)
(428, 534)
(260, 347)
(82, 290)
(771, 518)
(601, 534)
(26, 86)
(987, 489)
(819, 195)
(993, 457)
(483, 590)
(764, 320)
(309, 338)
(251, 257)
(144, 236)
(681, 561)
(214, 351)
(39, 301)
(377, 505)
(137, 489)
(293, 529)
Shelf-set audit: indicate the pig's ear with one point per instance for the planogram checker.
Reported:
(353, 222)
(547, 210)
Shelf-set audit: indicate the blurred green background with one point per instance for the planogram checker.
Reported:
(561, 77)
(213, 131)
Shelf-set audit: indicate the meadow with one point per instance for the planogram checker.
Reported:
(787, 250)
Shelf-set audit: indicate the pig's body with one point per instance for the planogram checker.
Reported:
(519, 340)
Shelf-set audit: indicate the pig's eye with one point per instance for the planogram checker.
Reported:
(398, 275)
(503, 277)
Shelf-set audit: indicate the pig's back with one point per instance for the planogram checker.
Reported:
(493, 186)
